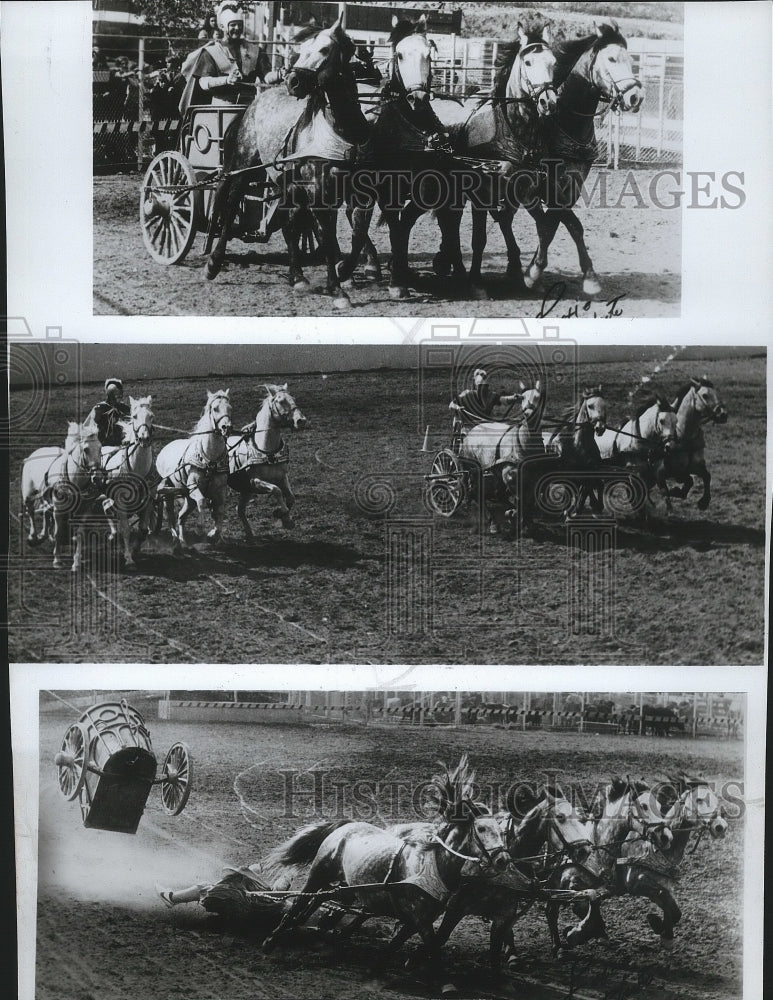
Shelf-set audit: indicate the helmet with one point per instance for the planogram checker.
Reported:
(113, 383)
(479, 376)
(227, 11)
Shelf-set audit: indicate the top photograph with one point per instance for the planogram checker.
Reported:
(388, 160)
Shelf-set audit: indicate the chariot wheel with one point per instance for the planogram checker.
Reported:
(168, 216)
(447, 485)
(71, 761)
(176, 779)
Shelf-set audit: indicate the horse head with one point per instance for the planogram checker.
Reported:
(593, 410)
(84, 450)
(697, 807)
(283, 408)
(638, 804)
(411, 60)
(532, 402)
(324, 55)
(525, 73)
(140, 422)
(550, 818)
(665, 424)
(610, 69)
(465, 823)
(708, 400)
(218, 411)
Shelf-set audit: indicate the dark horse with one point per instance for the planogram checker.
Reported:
(590, 70)
(303, 157)
(505, 128)
(405, 167)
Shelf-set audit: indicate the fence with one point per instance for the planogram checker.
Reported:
(135, 96)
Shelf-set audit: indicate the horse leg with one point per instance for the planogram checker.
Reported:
(699, 468)
(217, 507)
(360, 219)
(327, 222)
(671, 913)
(182, 517)
(478, 242)
(590, 281)
(173, 520)
(77, 554)
(224, 209)
(506, 217)
(241, 510)
(29, 506)
(322, 874)
(61, 530)
(124, 537)
(399, 237)
(546, 233)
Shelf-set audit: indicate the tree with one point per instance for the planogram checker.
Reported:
(176, 17)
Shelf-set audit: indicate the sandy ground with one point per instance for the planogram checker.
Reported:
(103, 932)
(636, 253)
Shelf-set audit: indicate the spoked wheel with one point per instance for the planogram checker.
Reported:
(446, 487)
(176, 779)
(71, 761)
(168, 207)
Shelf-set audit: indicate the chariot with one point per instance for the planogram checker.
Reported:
(106, 761)
(179, 185)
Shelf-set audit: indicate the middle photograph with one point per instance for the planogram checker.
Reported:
(449, 501)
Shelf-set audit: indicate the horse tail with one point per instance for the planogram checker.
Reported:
(302, 848)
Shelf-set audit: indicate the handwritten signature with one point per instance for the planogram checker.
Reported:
(580, 309)
(616, 983)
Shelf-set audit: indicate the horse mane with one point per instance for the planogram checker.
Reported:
(506, 56)
(455, 789)
(684, 389)
(569, 52)
(404, 28)
(652, 400)
(220, 394)
(618, 787)
(307, 31)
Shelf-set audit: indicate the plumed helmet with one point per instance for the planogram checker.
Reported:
(227, 11)
(111, 383)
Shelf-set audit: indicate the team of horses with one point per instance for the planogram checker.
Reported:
(122, 488)
(428, 875)
(529, 141)
(558, 465)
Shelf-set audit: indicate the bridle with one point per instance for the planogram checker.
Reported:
(486, 860)
(613, 95)
(533, 92)
(393, 67)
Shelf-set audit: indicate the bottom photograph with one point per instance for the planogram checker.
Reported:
(357, 844)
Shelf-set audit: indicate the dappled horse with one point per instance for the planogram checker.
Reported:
(505, 127)
(590, 70)
(259, 459)
(642, 444)
(698, 403)
(623, 809)
(575, 459)
(69, 484)
(404, 165)
(302, 156)
(690, 807)
(197, 467)
(500, 449)
(128, 468)
(410, 880)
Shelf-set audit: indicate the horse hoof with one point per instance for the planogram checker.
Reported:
(667, 943)
(372, 273)
(703, 505)
(531, 276)
(212, 269)
(342, 302)
(347, 284)
(398, 292)
(301, 287)
(591, 286)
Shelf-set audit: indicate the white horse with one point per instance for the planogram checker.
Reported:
(63, 482)
(127, 468)
(259, 459)
(698, 403)
(197, 467)
(642, 444)
(501, 448)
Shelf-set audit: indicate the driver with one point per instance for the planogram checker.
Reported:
(107, 413)
(217, 72)
(480, 400)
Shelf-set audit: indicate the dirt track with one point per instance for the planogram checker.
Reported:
(636, 253)
(687, 589)
(103, 932)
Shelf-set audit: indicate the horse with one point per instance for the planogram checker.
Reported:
(198, 467)
(505, 127)
(500, 449)
(572, 449)
(69, 482)
(622, 810)
(689, 805)
(642, 444)
(127, 468)
(696, 404)
(407, 879)
(258, 459)
(590, 70)
(402, 165)
(301, 157)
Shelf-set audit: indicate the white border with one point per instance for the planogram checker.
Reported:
(27, 680)
(727, 255)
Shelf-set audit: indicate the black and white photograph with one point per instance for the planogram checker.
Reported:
(394, 842)
(326, 158)
(451, 501)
